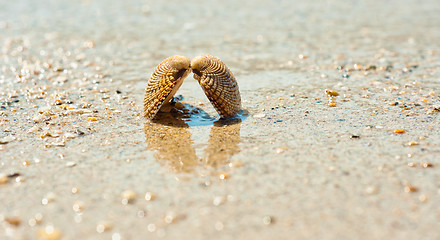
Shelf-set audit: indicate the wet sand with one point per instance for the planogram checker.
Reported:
(339, 137)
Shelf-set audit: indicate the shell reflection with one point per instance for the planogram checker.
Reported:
(169, 135)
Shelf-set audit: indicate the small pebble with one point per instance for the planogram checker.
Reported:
(92, 119)
(412, 143)
(399, 131)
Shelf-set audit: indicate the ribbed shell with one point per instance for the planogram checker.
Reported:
(164, 83)
(218, 83)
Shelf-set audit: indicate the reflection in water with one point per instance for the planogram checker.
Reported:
(168, 134)
(223, 142)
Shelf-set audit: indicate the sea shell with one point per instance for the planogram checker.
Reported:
(164, 83)
(218, 83)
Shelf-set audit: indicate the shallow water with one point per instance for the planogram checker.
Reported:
(77, 155)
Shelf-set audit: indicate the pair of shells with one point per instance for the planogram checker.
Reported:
(216, 80)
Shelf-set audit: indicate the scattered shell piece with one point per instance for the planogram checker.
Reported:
(261, 115)
(49, 233)
(281, 149)
(70, 164)
(171, 217)
(141, 213)
(14, 221)
(426, 164)
(33, 129)
(235, 164)
(267, 220)
(69, 135)
(371, 190)
(223, 176)
(6, 139)
(218, 200)
(151, 227)
(3, 178)
(92, 119)
(412, 164)
(423, 198)
(219, 226)
(75, 190)
(400, 131)
(412, 143)
(331, 93)
(50, 197)
(104, 226)
(150, 196)
(78, 206)
(128, 197)
(410, 188)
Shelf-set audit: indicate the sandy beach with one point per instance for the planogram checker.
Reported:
(339, 137)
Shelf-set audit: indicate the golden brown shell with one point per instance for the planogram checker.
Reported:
(164, 83)
(218, 83)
